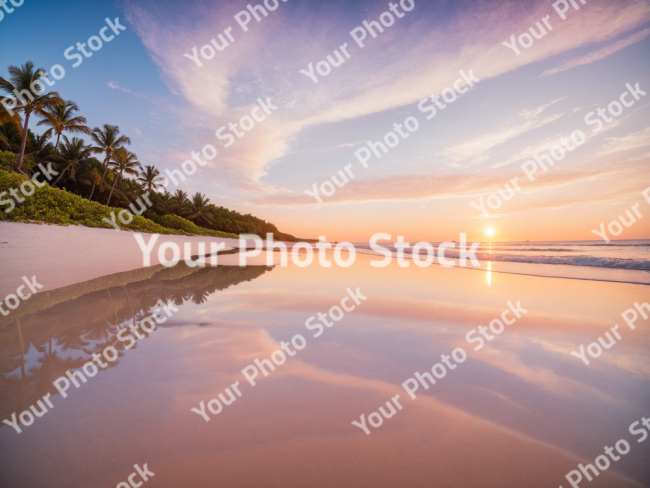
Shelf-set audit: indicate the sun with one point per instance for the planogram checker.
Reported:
(490, 232)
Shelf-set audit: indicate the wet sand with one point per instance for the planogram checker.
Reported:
(519, 412)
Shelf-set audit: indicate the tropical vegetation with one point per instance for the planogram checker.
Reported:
(98, 176)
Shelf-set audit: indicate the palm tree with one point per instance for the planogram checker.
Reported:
(22, 79)
(91, 176)
(150, 179)
(38, 144)
(126, 162)
(200, 210)
(107, 141)
(182, 202)
(165, 203)
(5, 116)
(60, 118)
(11, 135)
(9, 123)
(39, 147)
(73, 152)
(128, 190)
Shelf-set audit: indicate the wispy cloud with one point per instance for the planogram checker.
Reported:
(601, 53)
(547, 144)
(422, 187)
(351, 144)
(477, 150)
(266, 61)
(563, 201)
(113, 85)
(614, 145)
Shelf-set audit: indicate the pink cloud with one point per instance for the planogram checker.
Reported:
(418, 187)
(267, 61)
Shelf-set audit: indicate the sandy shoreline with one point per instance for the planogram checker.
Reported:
(47, 251)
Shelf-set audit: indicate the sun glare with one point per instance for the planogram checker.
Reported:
(490, 232)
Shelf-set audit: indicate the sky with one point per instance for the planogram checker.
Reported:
(424, 187)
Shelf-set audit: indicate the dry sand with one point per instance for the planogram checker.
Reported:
(47, 251)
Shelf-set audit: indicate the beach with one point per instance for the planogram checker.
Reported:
(520, 411)
(46, 251)
(324, 244)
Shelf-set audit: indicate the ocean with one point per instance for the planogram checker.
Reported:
(625, 261)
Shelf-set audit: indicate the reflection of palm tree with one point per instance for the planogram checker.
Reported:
(39, 344)
(200, 296)
(52, 367)
(11, 363)
(150, 303)
(128, 297)
(100, 331)
(134, 301)
(12, 395)
(72, 339)
(115, 343)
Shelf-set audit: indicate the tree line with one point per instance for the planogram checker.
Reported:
(103, 170)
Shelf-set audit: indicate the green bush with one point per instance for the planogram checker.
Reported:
(53, 206)
(9, 160)
(179, 223)
(231, 221)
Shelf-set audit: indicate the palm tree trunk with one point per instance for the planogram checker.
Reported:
(105, 163)
(61, 175)
(90, 198)
(101, 180)
(111, 193)
(21, 155)
(58, 136)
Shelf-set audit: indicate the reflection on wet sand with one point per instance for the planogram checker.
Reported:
(90, 323)
(519, 412)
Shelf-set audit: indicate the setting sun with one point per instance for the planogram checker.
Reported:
(490, 232)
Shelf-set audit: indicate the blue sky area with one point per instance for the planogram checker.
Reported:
(422, 188)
